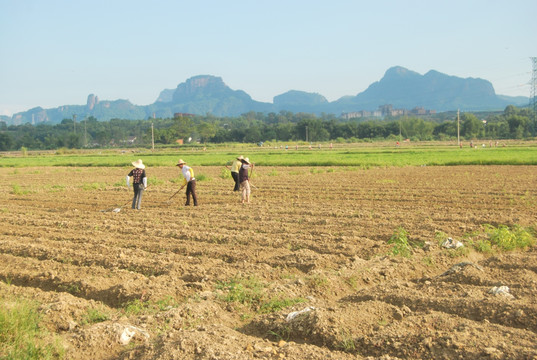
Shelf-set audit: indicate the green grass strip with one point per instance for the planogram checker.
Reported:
(363, 157)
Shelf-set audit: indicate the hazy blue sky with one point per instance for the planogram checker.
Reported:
(56, 52)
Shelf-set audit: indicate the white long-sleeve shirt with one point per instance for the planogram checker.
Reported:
(188, 174)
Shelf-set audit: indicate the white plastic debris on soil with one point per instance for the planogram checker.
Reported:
(449, 243)
(129, 332)
(294, 314)
(502, 291)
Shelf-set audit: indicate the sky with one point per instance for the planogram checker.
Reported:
(57, 52)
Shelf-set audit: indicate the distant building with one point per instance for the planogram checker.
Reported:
(418, 111)
(130, 140)
(356, 114)
(376, 113)
(178, 115)
(387, 110)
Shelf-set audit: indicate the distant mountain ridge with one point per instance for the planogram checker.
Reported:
(203, 94)
(406, 89)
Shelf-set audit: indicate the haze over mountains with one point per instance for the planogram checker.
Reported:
(203, 94)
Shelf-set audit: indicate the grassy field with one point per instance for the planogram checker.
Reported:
(361, 155)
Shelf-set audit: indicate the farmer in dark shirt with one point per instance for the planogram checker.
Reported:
(244, 179)
(139, 183)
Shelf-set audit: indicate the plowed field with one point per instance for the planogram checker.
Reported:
(222, 280)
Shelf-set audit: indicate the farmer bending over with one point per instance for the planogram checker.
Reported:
(235, 166)
(189, 182)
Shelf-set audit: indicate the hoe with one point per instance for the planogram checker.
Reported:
(118, 209)
(175, 193)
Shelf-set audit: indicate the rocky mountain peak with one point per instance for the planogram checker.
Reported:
(200, 82)
(92, 101)
(399, 72)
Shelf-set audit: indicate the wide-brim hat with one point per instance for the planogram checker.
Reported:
(180, 162)
(246, 160)
(138, 164)
(240, 158)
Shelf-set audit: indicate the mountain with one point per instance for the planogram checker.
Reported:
(516, 100)
(102, 110)
(407, 89)
(165, 96)
(209, 94)
(203, 94)
(5, 118)
(297, 101)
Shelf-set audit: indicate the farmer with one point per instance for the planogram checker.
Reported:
(235, 166)
(139, 183)
(244, 179)
(189, 182)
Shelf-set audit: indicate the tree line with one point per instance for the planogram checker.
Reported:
(252, 127)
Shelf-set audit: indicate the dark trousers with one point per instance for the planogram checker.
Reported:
(235, 176)
(191, 189)
(137, 199)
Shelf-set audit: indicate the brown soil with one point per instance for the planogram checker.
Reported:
(315, 237)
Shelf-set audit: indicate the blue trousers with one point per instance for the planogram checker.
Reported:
(137, 199)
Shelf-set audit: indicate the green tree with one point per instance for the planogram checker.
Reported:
(346, 130)
(370, 130)
(73, 141)
(447, 128)
(166, 136)
(284, 131)
(206, 131)
(252, 135)
(102, 137)
(417, 128)
(518, 126)
(6, 142)
(471, 126)
(183, 126)
(311, 129)
(269, 133)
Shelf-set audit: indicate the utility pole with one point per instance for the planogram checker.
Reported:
(85, 133)
(306, 134)
(152, 138)
(533, 95)
(458, 128)
(74, 123)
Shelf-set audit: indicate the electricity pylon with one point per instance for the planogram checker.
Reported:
(533, 95)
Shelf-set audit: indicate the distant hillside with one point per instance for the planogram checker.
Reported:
(298, 101)
(515, 100)
(165, 96)
(208, 94)
(102, 110)
(204, 94)
(407, 89)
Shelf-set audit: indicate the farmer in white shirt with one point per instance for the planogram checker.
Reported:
(189, 182)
